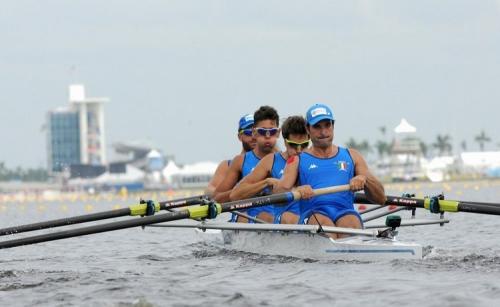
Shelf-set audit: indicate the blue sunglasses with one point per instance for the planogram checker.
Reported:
(247, 132)
(267, 131)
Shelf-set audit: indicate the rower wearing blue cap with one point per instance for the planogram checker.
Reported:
(325, 164)
(266, 133)
(270, 169)
(248, 142)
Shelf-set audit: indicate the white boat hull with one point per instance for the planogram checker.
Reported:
(314, 246)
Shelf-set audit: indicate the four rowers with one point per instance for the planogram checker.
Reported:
(324, 164)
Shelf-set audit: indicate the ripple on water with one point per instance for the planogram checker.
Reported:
(441, 260)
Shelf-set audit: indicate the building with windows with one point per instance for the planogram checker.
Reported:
(76, 134)
(63, 139)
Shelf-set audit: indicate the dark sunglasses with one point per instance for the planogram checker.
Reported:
(247, 132)
(296, 145)
(267, 131)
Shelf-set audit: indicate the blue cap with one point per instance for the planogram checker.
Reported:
(246, 121)
(318, 112)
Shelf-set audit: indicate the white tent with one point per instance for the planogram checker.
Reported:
(132, 174)
(405, 127)
(481, 160)
(195, 175)
(170, 170)
(199, 168)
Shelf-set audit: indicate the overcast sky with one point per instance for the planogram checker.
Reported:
(180, 73)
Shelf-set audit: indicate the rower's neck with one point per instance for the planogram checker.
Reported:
(261, 154)
(327, 152)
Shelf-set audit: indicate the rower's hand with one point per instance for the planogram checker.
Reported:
(272, 183)
(357, 183)
(306, 191)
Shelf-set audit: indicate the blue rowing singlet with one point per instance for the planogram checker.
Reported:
(250, 160)
(326, 172)
(277, 170)
(278, 166)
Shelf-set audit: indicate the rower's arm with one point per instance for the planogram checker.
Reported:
(254, 182)
(217, 178)
(223, 190)
(290, 174)
(373, 188)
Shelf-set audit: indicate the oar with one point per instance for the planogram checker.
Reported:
(443, 205)
(193, 212)
(139, 209)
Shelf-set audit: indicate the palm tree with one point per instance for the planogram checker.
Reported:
(481, 139)
(443, 144)
(463, 144)
(363, 146)
(424, 147)
(382, 148)
(351, 143)
(3, 171)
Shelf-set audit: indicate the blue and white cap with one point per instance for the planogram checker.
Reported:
(319, 112)
(246, 121)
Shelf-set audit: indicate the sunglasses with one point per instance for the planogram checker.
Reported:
(267, 131)
(296, 145)
(247, 132)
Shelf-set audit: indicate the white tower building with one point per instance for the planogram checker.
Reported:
(91, 121)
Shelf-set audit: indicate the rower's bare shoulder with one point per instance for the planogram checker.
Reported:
(237, 161)
(356, 155)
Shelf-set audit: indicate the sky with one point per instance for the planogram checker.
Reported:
(179, 74)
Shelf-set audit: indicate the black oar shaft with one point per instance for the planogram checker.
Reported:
(65, 221)
(159, 218)
(478, 208)
(164, 205)
(445, 205)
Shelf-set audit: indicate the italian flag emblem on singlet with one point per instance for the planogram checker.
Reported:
(342, 166)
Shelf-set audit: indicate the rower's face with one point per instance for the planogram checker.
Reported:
(321, 133)
(247, 139)
(266, 133)
(296, 143)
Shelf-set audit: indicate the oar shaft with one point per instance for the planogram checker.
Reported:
(65, 221)
(132, 210)
(444, 204)
(159, 218)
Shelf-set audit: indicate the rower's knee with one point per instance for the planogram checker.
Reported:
(266, 217)
(241, 219)
(349, 221)
(320, 219)
(289, 218)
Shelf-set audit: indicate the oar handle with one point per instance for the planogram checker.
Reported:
(323, 191)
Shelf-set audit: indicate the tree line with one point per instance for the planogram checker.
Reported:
(442, 145)
(20, 174)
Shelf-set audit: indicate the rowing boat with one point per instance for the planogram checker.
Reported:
(316, 246)
(376, 242)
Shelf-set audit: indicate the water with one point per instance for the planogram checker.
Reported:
(162, 266)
